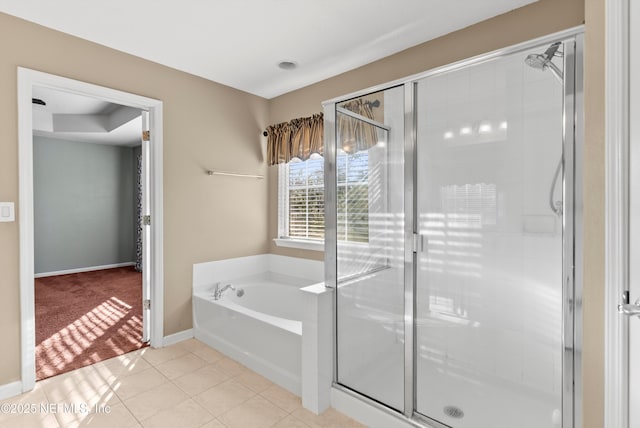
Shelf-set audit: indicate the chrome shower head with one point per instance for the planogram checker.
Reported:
(544, 61)
(537, 61)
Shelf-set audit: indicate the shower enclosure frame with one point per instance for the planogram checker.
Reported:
(572, 227)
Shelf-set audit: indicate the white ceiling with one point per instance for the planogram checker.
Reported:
(240, 42)
(74, 117)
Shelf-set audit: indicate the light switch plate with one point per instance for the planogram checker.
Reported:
(7, 211)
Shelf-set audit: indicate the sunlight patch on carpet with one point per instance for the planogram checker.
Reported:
(72, 342)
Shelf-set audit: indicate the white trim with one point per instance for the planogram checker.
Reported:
(84, 269)
(300, 244)
(157, 224)
(178, 337)
(617, 214)
(25, 210)
(28, 78)
(283, 200)
(9, 390)
(145, 230)
(633, 323)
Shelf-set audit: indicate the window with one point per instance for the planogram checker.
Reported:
(353, 197)
(301, 199)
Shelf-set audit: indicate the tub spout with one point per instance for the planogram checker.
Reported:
(218, 291)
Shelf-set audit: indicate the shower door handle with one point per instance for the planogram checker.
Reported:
(630, 309)
(419, 242)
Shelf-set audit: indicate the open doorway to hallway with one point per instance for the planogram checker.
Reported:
(88, 190)
(152, 223)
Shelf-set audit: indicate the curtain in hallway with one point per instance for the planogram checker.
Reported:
(138, 266)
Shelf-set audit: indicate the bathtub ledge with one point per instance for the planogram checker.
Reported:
(317, 348)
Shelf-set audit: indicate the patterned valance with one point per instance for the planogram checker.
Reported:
(357, 135)
(299, 138)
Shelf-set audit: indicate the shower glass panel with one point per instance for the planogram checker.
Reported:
(370, 245)
(489, 267)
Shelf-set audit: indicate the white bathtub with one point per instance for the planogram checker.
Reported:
(272, 298)
(263, 329)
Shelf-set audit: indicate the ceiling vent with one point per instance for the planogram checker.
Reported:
(287, 65)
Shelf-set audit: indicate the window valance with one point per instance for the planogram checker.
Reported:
(298, 138)
(357, 135)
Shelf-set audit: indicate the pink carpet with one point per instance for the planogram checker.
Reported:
(87, 317)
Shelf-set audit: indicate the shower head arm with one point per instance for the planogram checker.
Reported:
(555, 70)
(552, 50)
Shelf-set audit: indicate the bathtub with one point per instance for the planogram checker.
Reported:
(273, 328)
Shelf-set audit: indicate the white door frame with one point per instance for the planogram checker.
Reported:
(617, 228)
(27, 79)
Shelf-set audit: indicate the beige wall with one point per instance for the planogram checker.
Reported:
(594, 216)
(538, 19)
(206, 125)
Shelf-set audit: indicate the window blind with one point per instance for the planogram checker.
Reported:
(353, 196)
(306, 199)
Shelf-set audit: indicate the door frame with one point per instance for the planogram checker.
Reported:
(27, 79)
(617, 85)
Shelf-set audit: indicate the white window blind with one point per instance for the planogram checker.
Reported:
(301, 200)
(353, 197)
(306, 199)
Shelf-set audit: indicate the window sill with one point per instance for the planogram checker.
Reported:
(300, 244)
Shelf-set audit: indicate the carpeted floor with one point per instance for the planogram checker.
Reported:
(87, 317)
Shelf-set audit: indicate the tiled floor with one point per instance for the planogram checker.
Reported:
(184, 385)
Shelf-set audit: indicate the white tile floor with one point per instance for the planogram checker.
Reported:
(185, 385)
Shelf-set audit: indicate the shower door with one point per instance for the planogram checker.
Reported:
(370, 265)
(489, 293)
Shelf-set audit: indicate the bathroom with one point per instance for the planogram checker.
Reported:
(458, 215)
(206, 222)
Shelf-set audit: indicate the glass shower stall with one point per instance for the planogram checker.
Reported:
(452, 213)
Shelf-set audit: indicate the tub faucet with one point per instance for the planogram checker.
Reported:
(217, 292)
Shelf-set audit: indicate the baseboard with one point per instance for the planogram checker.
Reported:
(172, 339)
(10, 390)
(84, 269)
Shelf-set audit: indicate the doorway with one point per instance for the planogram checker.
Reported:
(88, 235)
(29, 83)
